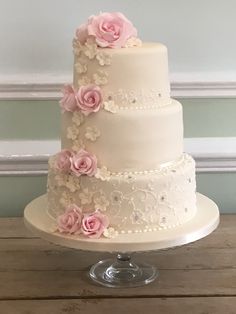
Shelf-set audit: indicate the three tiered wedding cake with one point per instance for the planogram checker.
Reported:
(122, 168)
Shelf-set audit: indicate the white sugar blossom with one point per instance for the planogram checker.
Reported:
(84, 80)
(81, 67)
(72, 132)
(90, 48)
(101, 202)
(72, 183)
(77, 145)
(110, 233)
(92, 133)
(103, 58)
(77, 47)
(77, 118)
(61, 179)
(100, 78)
(133, 42)
(110, 106)
(103, 174)
(85, 197)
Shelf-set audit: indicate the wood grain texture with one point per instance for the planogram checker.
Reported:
(198, 305)
(39, 277)
(36, 254)
(67, 284)
(14, 228)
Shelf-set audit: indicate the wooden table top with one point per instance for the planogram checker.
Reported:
(38, 277)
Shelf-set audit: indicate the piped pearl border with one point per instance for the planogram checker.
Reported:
(145, 230)
(164, 166)
(158, 105)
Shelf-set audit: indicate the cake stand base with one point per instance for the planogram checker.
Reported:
(123, 272)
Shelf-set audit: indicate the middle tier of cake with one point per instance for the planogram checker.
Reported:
(130, 139)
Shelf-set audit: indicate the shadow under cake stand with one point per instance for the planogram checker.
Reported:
(123, 272)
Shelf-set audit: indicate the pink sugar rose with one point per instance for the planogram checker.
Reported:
(83, 163)
(63, 160)
(89, 98)
(94, 224)
(69, 99)
(70, 221)
(82, 33)
(109, 30)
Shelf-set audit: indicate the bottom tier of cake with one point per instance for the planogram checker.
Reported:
(133, 202)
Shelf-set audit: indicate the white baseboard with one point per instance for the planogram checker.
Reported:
(30, 158)
(183, 85)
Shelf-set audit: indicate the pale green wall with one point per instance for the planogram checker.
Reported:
(41, 119)
(16, 192)
(28, 119)
(209, 117)
(221, 187)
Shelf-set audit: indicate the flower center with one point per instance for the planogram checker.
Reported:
(91, 100)
(83, 164)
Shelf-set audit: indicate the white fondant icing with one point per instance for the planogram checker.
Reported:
(132, 140)
(137, 73)
(121, 199)
(143, 182)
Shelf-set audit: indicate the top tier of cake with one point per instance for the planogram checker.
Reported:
(120, 99)
(134, 77)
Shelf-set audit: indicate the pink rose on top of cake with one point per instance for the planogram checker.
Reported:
(108, 29)
(93, 225)
(89, 98)
(83, 163)
(69, 100)
(70, 221)
(63, 160)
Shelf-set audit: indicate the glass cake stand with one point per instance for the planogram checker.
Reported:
(124, 271)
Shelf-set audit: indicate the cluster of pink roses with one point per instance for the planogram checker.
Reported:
(80, 163)
(73, 221)
(87, 99)
(108, 29)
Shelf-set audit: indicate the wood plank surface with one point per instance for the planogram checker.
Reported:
(39, 277)
(66, 284)
(198, 305)
(36, 254)
(14, 228)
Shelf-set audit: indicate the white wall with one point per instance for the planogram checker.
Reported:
(35, 35)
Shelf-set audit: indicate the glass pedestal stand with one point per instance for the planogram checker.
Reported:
(122, 272)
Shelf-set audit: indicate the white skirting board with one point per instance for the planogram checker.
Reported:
(30, 158)
(47, 86)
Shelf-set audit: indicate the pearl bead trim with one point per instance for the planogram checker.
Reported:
(165, 165)
(156, 106)
(149, 229)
